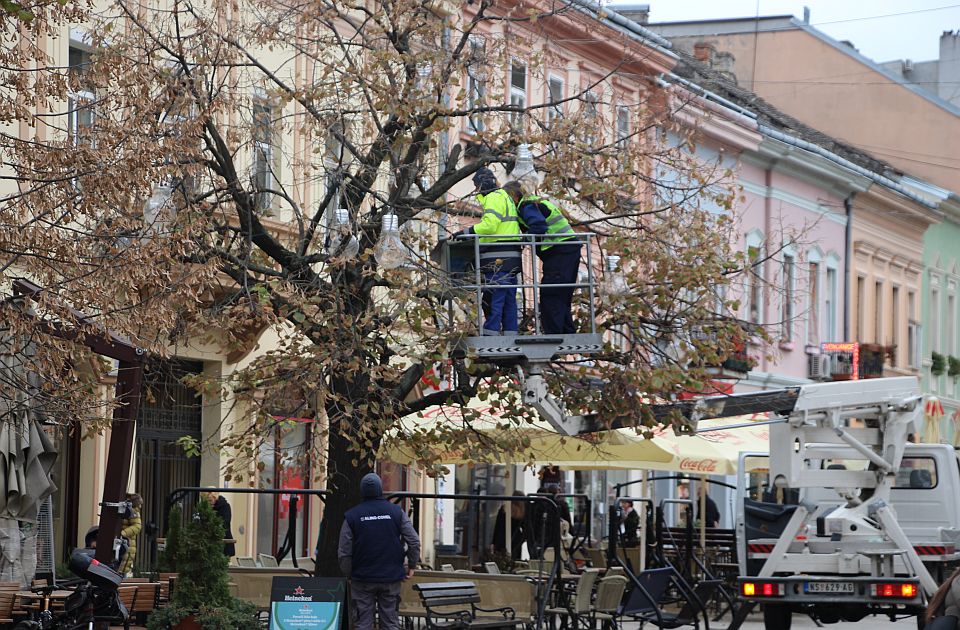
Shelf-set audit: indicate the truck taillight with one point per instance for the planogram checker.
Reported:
(761, 589)
(896, 590)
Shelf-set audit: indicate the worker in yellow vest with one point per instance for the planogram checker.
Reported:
(499, 231)
(560, 259)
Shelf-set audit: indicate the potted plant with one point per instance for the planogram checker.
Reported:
(201, 598)
(938, 363)
(953, 367)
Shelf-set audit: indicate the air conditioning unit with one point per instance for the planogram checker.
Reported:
(818, 367)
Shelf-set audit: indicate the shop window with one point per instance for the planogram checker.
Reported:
(285, 465)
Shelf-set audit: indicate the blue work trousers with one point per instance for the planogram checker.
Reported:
(560, 266)
(501, 304)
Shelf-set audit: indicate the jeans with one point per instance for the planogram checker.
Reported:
(366, 598)
(560, 266)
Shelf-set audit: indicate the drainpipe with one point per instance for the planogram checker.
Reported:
(847, 264)
(768, 263)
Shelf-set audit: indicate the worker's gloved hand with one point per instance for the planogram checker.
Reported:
(485, 180)
(461, 234)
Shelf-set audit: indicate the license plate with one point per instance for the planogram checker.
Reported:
(828, 587)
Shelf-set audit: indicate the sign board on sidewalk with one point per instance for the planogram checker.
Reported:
(307, 603)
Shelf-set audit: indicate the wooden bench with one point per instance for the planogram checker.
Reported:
(6, 606)
(455, 605)
(515, 591)
(145, 601)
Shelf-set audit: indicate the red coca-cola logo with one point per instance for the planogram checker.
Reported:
(698, 465)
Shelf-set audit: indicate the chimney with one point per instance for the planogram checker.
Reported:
(806, 15)
(704, 52)
(639, 13)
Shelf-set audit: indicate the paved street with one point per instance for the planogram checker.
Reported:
(869, 623)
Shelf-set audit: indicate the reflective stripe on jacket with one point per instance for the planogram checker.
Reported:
(500, 220)
(557, 225)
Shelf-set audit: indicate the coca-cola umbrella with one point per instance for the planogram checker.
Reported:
(27, 457)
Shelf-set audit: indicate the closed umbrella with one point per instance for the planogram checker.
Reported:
(955, 417)
(27, 457)
(932, 415)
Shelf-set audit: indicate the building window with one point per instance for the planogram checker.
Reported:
(830, 304)
(591, 117)
(264, 172)
(813, 311)
(754, 280)
(913, 332)
(284, 464)
(623, 126)
(935, 320)
(861, 307)
(878, 312)
(895, 324)
(555, 111)
(787, 306)
(476, 84)
(81, 103)
(951, 324)
(518, 91)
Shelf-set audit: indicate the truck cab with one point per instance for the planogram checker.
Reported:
(925, 499)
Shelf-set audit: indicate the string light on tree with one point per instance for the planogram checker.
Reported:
(343, 244)
(614, 287)
(390, 251)
(523, 169)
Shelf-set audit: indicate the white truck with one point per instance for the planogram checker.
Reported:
(855, 519)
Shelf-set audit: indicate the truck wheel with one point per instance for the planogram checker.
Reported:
(777, 617)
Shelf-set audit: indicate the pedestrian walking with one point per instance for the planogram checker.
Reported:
(223, 510)
(943, 611)
(712, 511)
(560, 260)
(630, 525)
(371, 554)
(499, 231)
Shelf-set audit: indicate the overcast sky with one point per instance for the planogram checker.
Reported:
(881, 29)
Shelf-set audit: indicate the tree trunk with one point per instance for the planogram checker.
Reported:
(343, 482)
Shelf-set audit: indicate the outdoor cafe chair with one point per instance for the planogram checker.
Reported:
(266, 560)
(492, 568)
(694, 605)
(246, 561)
(607, 602)
(577, 605)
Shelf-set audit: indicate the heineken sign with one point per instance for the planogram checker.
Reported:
(306, 603)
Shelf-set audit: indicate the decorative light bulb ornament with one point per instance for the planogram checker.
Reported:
(159, 197)
(343, 244)
(390, 251)
(523, 169)
(614, 282)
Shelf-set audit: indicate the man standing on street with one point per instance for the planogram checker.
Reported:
(371, 554)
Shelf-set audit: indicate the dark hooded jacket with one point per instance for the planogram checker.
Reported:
(373, 536)
(222, 508)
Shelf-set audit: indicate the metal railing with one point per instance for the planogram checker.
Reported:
(462, 261)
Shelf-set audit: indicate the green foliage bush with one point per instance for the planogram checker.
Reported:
(953, 368)
(167, 563)
(938, 363)
(202, 587)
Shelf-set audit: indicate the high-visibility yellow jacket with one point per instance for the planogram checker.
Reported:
(557, 225)
(500, 221)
